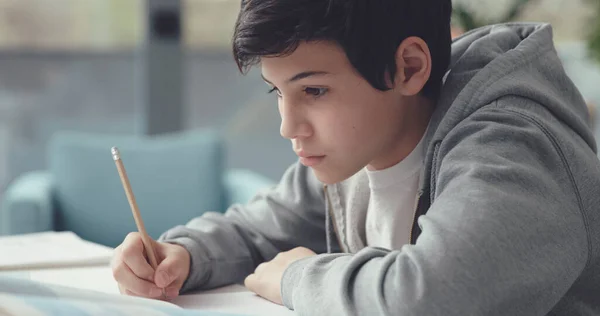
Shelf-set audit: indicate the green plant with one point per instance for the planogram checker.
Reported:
(467, 20)
(593, 38)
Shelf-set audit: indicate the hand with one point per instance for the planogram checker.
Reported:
(266, 279)
(136, 277)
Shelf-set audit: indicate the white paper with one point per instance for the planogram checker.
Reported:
(231, 299)
(50, 249)
(86, 278)
(70, 284)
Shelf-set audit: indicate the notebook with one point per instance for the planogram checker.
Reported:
(50, 249)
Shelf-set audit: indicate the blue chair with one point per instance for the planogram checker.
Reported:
(174, 177)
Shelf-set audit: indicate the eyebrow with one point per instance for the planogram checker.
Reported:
(301, 75)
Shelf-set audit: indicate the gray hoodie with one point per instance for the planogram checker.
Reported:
(507, 216)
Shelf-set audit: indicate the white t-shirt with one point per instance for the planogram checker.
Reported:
(392, 201)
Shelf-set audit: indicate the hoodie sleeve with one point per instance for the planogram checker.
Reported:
(504, 236)
(225, 248)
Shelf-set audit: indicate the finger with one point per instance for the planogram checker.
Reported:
(133, 256)
(116, 258)
(132, 252)
(161, 298)
(302, 251)
(128, 281)
(251, 282)
(122, 290)
(172, 292)
(168, 271)
(261, 268)
(131, 238)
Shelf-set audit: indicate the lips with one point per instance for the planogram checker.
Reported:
(310, 160)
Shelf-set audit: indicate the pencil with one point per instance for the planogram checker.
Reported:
(134, 208)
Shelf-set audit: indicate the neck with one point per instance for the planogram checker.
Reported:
(414, 124)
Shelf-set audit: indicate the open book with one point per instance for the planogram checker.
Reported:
(50, 249)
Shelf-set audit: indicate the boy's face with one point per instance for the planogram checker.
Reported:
(337, 122)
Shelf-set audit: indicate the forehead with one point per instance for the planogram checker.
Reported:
(309, 56)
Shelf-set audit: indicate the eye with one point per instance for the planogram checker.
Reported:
(315, 92)
(274, 89)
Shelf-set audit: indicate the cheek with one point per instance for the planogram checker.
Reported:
(347, 131)
(351, 120)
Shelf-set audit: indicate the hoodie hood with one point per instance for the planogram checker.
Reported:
(515, 59)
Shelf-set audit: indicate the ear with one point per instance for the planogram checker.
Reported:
(413, 66)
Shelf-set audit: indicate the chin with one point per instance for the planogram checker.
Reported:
(330, 176)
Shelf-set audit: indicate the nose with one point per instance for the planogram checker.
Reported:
(294, 123)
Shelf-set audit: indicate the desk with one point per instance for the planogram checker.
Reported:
(230, 299)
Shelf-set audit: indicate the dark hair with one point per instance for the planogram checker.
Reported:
(369, 31)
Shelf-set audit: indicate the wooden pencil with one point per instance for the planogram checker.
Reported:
(134, 208)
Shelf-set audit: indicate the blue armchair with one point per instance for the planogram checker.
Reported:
(174, 178)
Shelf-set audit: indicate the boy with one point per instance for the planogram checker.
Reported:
(431, 180)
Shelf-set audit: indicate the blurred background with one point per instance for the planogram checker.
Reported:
(148, 67)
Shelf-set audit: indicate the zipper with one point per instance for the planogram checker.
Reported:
(416, 210)
(417, 202)
(423, 203)
(332, 216)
